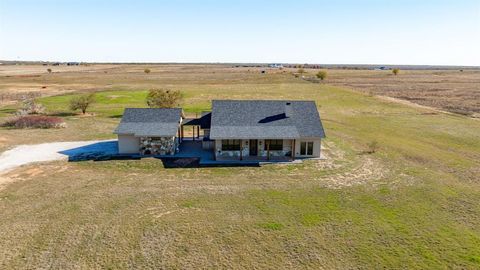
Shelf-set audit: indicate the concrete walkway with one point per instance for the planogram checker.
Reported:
(25, 154)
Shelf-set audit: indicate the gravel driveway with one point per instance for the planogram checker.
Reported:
(25, 154)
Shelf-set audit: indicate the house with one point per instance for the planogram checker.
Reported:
(235, 130)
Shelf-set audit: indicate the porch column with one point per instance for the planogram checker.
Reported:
(293, 149)
(241, 150)
(198, 132)
(181, 132)
(193, 133)
(268, 150)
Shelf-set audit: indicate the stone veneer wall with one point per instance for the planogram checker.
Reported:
(157, 146)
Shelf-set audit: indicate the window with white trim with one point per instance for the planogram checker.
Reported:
(306, 148)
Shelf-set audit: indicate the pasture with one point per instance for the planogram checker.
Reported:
(415, 203)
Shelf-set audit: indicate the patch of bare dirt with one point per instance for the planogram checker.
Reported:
(364, 169)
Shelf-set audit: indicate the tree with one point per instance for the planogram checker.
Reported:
(49, 70)
(322, 75)
(82, 102)
(163, 98)
(147, 70)
(395, 71)
(30, 106)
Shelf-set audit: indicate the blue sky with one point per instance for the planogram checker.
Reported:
(436, 32)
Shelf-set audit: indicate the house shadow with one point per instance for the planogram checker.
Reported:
(105, 150)
(108, 150)
(179, 162)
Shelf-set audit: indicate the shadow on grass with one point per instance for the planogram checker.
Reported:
(62, 114)
(116, 116)
(7, 111)
(171, 163)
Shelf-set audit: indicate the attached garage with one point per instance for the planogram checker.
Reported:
(148, 131)
(128, 144)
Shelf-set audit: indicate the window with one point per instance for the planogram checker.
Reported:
(230, 145)
(274, 145)
(303, 148)
(310, 148)
(306, 148)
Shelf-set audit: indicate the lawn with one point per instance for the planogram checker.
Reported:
(415, 203)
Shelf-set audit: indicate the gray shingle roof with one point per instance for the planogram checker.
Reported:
(146, 122)
(265, 119)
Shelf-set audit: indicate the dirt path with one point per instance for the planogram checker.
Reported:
(25, 154)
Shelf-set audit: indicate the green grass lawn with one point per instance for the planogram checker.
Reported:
(413, 204)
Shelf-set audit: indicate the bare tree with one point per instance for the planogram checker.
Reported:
(163, 98)
(82, 102)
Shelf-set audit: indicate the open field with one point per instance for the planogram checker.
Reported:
(448, 90)
(413, 204)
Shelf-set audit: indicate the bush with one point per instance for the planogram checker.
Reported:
(372, 147)
(301, 71)
(30, 106)
(82, 102)
(395, 71)
(35, 121)
(163, 98)
(146, 70)
(322, 75)
(49, 70)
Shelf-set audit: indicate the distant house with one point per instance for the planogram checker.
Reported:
(235, 130)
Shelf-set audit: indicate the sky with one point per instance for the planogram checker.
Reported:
(410, 32)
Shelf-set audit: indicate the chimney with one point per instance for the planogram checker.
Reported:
(288, 109)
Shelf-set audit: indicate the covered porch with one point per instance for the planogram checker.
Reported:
(255, 149)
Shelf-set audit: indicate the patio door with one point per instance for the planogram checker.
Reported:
(253, 147)
(306, 148)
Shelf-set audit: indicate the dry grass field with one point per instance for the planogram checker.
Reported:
(414, 204)
(449, 90)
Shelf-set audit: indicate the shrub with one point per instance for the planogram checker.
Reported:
(301, 71)
(395, 71)
(35, 121)
(82, 102)
(163, 98)
(30, 106)
(49, 70)
(372, 147)
(146, 70)
(322, 75)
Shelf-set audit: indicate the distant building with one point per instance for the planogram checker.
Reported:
(275, 66)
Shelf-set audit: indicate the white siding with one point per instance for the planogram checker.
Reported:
(316, 147)
(128, 144)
